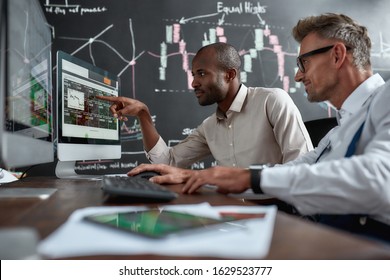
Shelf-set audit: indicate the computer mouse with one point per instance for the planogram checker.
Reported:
(147, 174)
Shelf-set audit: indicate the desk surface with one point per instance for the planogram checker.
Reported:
(293, 238)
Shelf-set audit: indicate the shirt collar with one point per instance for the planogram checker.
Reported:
(237, 103)
(360, 95)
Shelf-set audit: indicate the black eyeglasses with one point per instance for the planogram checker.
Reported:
(317, 51)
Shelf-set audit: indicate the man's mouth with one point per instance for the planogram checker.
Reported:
(306, 84)
(198, 93)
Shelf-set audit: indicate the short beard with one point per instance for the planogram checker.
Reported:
(210, 99)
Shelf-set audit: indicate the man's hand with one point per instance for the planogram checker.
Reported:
(169, 174)
(227, 179)
(122, 106)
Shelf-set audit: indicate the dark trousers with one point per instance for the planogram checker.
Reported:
(356, 224)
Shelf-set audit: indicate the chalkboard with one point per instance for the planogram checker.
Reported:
(150, 45)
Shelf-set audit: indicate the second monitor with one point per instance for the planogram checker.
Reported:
(86, 128)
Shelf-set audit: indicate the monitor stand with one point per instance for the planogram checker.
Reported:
(66, 170)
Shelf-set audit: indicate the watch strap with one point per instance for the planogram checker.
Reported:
(255, 181)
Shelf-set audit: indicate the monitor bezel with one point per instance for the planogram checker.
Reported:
(72, 149)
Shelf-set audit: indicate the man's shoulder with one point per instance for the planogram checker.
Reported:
(381, 99)
(264, 91)
(212, 119)
(268, 94)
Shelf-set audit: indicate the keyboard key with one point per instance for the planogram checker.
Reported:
(136, 187)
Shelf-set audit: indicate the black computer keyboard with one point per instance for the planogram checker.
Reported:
(135, 187)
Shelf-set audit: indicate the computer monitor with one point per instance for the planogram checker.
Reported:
(86, 128)
(26, 129)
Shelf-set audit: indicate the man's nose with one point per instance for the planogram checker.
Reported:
(194, 83)
(298, 76)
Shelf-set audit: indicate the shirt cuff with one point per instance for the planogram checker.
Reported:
(158, 154)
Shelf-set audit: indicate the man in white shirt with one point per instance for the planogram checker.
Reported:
(345, 181)
(250, 124)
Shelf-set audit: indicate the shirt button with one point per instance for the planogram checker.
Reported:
(231, 144)
(234, 165)
(230, 126)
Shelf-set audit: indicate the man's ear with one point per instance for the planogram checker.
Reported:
(231, 74)
(340, 54)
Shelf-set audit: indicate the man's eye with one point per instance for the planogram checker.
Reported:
(199, 74)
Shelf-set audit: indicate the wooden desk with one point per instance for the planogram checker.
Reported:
(293, 238)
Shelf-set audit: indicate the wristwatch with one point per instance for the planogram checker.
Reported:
(256, 170)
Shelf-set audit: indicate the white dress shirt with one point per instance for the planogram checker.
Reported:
(335, 184)
(262, 125)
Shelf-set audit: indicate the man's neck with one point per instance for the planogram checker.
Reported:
(355, 79)
(225, 104)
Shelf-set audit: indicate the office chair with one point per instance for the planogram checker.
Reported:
(319, 128)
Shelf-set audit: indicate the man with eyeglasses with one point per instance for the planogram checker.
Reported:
(345, 181)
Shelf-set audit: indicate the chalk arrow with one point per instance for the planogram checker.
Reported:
(221, 20)
(185, 20)
(262, 21)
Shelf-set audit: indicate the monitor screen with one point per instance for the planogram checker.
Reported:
(86, 128)
(26, 131)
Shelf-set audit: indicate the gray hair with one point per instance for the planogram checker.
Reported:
(339, 27)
